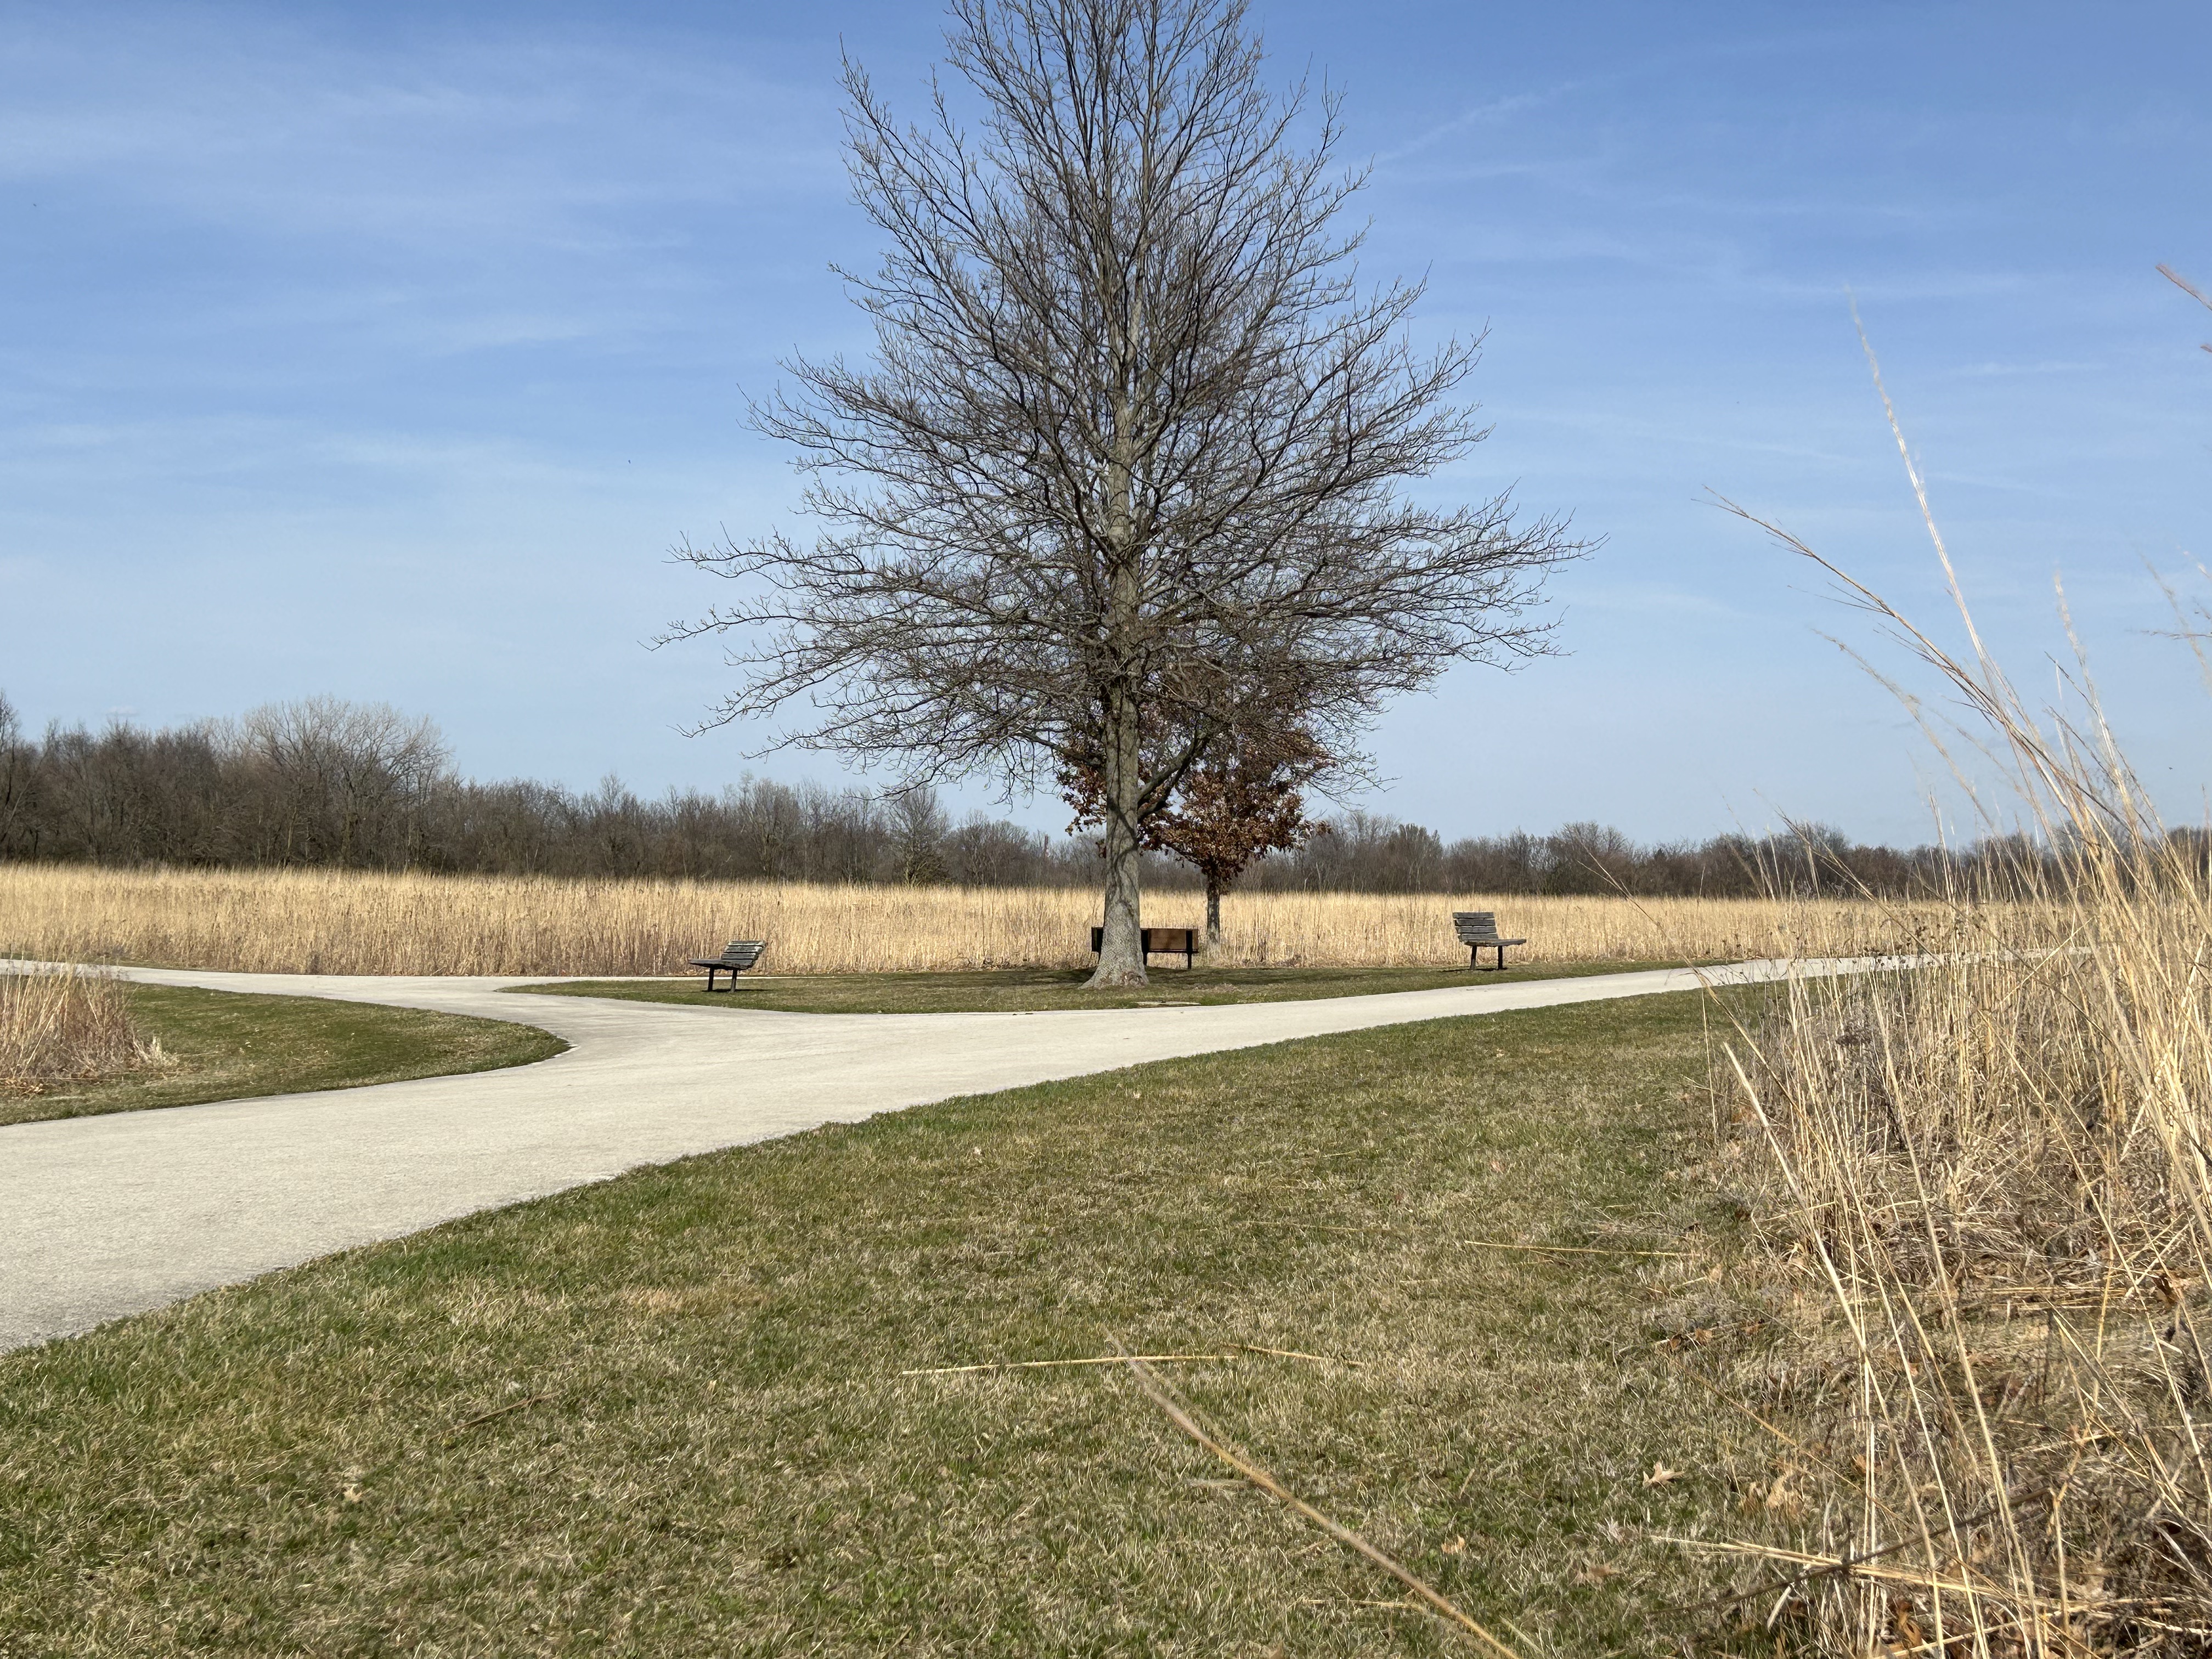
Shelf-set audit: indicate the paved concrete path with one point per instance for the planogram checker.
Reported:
(101, 1217)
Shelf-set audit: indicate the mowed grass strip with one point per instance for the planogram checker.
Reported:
(227, 1045)
(666, 1416)
(1023, 990)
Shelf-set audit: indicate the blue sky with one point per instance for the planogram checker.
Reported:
(383, 351)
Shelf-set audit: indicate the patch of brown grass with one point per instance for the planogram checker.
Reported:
(1981, 1198)
(68, 1027)
(1977, 1292)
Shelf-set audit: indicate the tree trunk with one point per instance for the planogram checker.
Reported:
(1212, 914)
(1122, 948)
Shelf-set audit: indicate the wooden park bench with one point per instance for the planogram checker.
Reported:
(1477, 929)
(737, 955)
(1184, 942)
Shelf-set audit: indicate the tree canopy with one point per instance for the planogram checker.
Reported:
(1131, 452)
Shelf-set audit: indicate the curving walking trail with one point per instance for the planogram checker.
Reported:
(101, 1217)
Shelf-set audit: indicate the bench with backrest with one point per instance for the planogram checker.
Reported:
(1477, 929)
(1184, 942)
(737, 955)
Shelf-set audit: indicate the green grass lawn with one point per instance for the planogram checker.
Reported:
(667, 1415)
(1015, 990)
(227, 1045)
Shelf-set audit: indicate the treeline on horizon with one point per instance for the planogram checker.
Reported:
(326, 784)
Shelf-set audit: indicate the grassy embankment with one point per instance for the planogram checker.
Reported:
(1019, 990)
(339, 922)
(679, 1413)
(197, 1046)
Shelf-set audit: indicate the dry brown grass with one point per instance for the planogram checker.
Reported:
(329, 922)
(1982, 1215)
(67, 1027)
(1982, 1203)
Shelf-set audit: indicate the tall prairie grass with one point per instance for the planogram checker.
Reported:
(1983, 1212)
(66, 1027)
(352, 923)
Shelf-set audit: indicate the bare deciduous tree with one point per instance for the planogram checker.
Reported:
(1134, 443)
(332, 770)
(18, 775)
(918, 831)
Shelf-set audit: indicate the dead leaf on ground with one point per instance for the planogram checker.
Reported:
(1661, 1475)
(1903, 1625)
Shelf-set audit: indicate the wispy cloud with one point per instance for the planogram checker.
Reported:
(1496, 110)
(504, 136)
(1707, 49)
(1991, 371)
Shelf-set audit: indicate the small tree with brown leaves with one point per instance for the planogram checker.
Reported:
(1242, 802)
(1134, 443)
(1244, 799)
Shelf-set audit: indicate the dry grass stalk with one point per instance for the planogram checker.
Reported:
(1176, 1412)
(1120, 1360)
(1982, 1202)
(67, 1027)
(496, 1411)
(1300, 1353)
(320, 922)
(1566, 1249)
(1052, 1365)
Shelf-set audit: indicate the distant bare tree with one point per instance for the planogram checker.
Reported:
(1133, 443)
(918, 829)
(342, 781)
(18, 778)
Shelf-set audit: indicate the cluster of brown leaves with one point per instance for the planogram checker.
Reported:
(1243, 798)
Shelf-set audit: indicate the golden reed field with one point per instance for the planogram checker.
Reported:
(316, 922)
